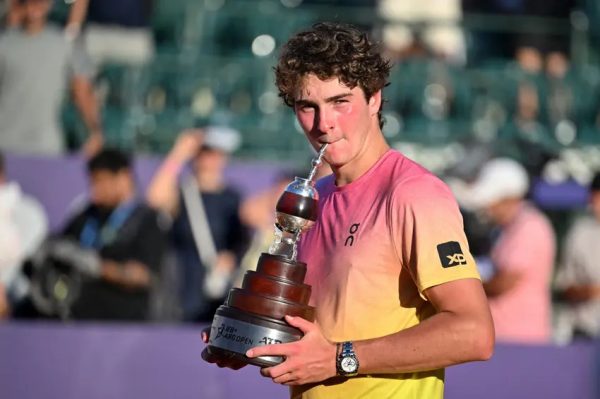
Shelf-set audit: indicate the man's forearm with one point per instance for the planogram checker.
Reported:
(87, 104)
(581, 293)
(127, 274)
(162, 191)
(440, 341)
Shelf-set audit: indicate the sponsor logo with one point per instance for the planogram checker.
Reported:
(451, 254)
(350, 239)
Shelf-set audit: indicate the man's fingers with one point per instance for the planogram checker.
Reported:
(232, 363)
(269, 350)
(285, 379)
(304, 325)
(205, 334)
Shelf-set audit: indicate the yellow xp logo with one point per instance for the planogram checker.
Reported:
(451, 254)
(456, 259)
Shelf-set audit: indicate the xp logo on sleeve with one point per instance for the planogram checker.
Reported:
(451, 254)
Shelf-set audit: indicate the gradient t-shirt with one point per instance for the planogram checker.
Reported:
(378, 243)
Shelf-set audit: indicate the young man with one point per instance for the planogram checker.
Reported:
(396, 292)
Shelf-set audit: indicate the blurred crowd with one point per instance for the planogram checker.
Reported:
(171, 252)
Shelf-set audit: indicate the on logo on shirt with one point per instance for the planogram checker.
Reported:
(350, 239)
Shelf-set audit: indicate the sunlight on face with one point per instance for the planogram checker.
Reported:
(330, 112)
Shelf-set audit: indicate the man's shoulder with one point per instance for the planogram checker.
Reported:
(413, 181)
(51, 38)
(148, 214)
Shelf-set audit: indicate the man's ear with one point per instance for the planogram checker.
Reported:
(375, 102)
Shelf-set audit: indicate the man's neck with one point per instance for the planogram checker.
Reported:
(512, 211)
(32, 28)
(374, 149)
(209, 182)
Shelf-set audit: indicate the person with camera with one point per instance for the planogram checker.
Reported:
(103, 265)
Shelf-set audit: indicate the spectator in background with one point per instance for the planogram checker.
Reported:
(208, 236)
(435, 22)
(522, 255)
(116, 244)
(115, 31)
(578, 279)
(23, 227)
(36, 61)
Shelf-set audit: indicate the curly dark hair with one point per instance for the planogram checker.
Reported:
(331, 50)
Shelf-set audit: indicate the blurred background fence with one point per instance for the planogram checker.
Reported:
(214, 61)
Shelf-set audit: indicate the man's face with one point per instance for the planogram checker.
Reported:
(36, 10)
(501, 212)
(107, 189)
(330, 112)
(210, 161)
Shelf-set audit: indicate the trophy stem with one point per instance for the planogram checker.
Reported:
(316, 162)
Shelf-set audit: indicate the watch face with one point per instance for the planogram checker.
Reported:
(348, 364)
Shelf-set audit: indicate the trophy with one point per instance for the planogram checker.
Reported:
(254, 314)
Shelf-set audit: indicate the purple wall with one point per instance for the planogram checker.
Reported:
(77, 361)
(56, 182)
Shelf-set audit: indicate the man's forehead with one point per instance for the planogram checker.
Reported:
(311, 85)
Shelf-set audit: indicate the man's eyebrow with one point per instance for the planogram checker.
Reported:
(331, 99)
(337, 97)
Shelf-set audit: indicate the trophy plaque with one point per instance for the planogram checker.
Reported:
(253, 314)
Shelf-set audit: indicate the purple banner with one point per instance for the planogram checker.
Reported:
(74, 361)
(57, 182)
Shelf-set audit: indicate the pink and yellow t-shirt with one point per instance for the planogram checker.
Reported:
(378, 243)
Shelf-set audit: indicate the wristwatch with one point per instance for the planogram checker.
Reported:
(346, 362)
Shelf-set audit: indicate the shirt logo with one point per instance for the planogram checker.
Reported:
(350, 239)
(451, 255)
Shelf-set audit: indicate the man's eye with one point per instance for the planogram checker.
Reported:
(341, 101)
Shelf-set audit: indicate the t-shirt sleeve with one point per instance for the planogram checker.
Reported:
(80, 64)
(428, 233)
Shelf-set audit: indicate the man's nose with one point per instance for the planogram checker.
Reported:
(326, 121)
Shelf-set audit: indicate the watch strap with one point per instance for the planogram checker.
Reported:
(346, 350)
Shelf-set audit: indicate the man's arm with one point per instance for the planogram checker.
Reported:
(77, 15)
(460, 331)
(162, 193)
(87, 104)
(131, 274)
(501, 282)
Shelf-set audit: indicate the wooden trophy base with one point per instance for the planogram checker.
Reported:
(254, 314)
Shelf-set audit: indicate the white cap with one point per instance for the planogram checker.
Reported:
(222, 138)
(499, 179)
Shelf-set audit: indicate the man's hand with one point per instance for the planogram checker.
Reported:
(311, 359)
(4, 307)
(187, 145)
(233, 364)
(93, 144)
